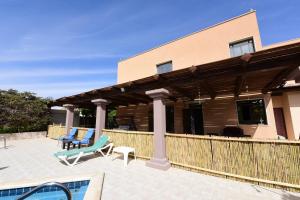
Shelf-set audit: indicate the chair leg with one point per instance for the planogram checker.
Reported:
(63, 158)
(110, 149)
(78, 157)
(110, 145)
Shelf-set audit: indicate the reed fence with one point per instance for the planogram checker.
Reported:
(55, 132)
(141, 141)
(274, 163)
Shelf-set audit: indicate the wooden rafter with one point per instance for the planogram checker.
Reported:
(173, 86)
(279, 79)
(241, 79)
(207, 87)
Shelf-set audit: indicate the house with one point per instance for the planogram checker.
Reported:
(216, 81)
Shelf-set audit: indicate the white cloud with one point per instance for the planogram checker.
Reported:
(7, 73)
(58, 89)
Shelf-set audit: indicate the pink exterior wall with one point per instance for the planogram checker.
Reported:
(205, 46)
(290, 102)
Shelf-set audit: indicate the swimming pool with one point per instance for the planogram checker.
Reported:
(77, 188)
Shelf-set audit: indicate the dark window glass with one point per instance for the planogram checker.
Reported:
(241, 48)
(252, 112)
(169, 119)
(163, 68)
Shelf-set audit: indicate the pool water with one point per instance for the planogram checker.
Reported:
(77, 189)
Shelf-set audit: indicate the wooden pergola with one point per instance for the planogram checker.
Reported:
(259, 72)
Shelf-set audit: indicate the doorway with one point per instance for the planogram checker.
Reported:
(193, 120)
(280, 122)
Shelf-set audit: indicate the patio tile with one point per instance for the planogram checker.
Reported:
(33, 158)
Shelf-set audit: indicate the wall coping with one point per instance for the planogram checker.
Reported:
(127, 132)
(23, 135)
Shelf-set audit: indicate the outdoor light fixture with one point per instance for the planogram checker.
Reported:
(198, 99)
(122, 89)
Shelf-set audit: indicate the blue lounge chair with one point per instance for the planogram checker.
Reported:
(70, 136)
(101, 144)
(86, 140)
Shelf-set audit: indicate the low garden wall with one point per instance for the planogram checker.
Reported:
(274, 163)
(24, 135)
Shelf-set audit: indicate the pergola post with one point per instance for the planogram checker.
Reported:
(100, 116)
(69, 116)
(159, 159)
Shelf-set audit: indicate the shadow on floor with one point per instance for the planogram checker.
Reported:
(121, 157)
(1, 168)
(283, 194)
(84, 158)
(289, 196)
(7, 147)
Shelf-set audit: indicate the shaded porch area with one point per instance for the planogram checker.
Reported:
(232, 95)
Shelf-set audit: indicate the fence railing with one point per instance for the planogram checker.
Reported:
(274, 163)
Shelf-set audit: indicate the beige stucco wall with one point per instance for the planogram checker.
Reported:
(205, 46)
(291, 106)
(290, 103)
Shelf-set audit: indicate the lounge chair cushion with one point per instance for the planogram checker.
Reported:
(86, 140)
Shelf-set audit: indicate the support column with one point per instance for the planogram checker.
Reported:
(100, 116)
(159, 159)
(291, 102)
(69, 117)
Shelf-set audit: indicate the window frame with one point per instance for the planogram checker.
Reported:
(231, 44)
(252, 99)
(163, 63)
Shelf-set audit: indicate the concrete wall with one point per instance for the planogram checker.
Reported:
(59, 117)
(205, 46)
(23, 135)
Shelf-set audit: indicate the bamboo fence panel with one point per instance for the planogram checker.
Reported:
(274, 163)
(270, 160)
(55, 132)
(141, 141)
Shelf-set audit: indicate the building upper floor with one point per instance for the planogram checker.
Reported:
(227, 39)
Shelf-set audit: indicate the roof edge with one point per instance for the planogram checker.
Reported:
(179, 38)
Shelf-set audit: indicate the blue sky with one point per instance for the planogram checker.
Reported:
(58, 48)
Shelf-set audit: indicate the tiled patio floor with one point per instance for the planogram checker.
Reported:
(32, 159)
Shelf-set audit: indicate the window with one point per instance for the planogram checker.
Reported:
(241, 48)
(252, 112)
(165, 67)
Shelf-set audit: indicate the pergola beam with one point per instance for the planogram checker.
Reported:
(165, 82)
(241, 80)
(239, 84)
(207, 87)
(279, 80)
